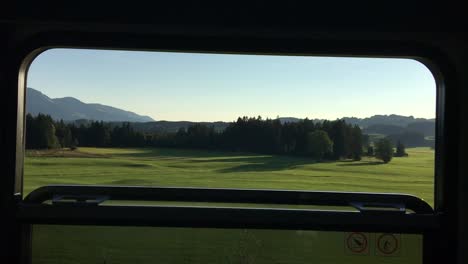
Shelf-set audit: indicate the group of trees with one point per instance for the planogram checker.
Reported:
(383, 150)
(42, 132)
(320, 140)
(409, 138)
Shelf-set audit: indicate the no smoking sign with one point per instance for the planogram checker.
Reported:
(381, 244)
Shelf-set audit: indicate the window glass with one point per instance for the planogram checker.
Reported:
(104, 244)
(234, 121)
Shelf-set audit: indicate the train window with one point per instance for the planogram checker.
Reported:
(174, 119)
(183, 157)
(108, 244)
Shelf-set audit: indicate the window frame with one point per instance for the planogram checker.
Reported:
(432, 58)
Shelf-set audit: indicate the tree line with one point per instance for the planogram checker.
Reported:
(320, 140)
(42, 132)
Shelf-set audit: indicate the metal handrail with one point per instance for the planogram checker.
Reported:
(222, 195)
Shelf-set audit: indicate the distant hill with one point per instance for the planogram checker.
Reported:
(385, 124)
(412, 132)
(383, 129)
(284, 120)
(394, 120)
(70, 109)
(426, 128)
(409, 130)
(419, 124)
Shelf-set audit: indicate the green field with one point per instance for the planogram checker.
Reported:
(91, 244)
(174, 167)
(195, 168)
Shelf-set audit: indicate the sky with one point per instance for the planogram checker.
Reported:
(221, 87)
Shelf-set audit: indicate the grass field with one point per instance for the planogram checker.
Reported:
(90, 244)
(173, 167)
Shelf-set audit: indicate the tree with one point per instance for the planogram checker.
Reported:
(98, 134)
(63, 134)
(45, 132)
(31, 132)
(400, 150)
(365, 141)
(370, 151)
(40, 132)
(355, 143)
(384, 150)
(318, 144)
(409, 138)
(74, 144)
(339, 136)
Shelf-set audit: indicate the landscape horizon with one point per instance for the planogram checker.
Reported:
(247, 163)
(36, 104)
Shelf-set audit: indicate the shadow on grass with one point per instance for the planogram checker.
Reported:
(178, 153)
(356, 163)
(262, 163)
(137, 165)
(247, 162)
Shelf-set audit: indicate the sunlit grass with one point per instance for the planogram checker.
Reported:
(197, 168)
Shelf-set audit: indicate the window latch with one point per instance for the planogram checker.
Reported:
(379, 208)
(79, 199)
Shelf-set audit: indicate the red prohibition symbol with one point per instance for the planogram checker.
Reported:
(387, 244)
(357, 242)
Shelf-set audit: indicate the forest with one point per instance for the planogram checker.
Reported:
(331, 140)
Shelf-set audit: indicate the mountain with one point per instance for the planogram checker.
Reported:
(284, 120)
(412, 132)
(427, 128)
(385, 124)
(383, 129)
(394, 124)
(70, 109)
(394, 120)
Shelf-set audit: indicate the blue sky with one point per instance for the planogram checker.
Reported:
(221, 87)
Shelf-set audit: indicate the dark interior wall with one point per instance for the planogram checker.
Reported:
(257, 27)
(9, 226)
(413, 16)
(460, 58)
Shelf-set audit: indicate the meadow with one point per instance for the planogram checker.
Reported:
(197, 168)
(107, 244)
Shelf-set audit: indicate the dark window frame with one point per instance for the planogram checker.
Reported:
(429, 57)
(435, 60)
